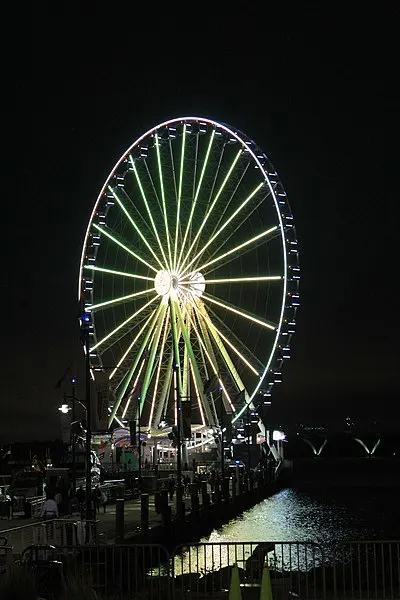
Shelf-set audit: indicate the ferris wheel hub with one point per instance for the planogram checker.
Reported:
(171, 283)
(163, 283)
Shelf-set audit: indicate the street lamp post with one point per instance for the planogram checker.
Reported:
(139, 447)
(179, 491)
(85, 323)
(73, 381)
(221, 419)
(248, 438)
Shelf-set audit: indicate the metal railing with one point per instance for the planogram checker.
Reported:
(349, 571)
(57, 532)
(368, 569)
(206, 568)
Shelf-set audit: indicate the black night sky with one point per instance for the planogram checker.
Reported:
(312, 89)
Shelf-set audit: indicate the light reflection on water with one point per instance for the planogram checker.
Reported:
(325, 518)
(289, 516)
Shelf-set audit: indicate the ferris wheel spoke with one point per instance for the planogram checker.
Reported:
(116, 241)
(119, 273)
(218, 336)
(160, 359)
(148, 210)
(164, 206)
(239, 343)
(128, 330)
(248, 244)
(128, 376)
(233, 373)
(150, 363)
(178, 204)
(192, 357)
(191, 283)
(134, 388)
(208, 351)
(171, 153)
(165, 385)
(215, 365)
(126, 353)
(199, 404)
(204, 221)
(116, 301)
(234, 231)
(241, 313)
(226, 206)
(234, 214)
(136, 228)
(128, 320)
(189, 223)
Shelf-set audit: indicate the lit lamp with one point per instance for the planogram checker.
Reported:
(65, 422)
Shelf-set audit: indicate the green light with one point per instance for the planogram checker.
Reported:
(132, 369)
(239, 312)
(160, 358)
(119, 300)
(240, 247)
(220, 230)
(101, 342)
(212, 362)
(131, 346)
(121, 273)
(163, 200)
(214, 330)
(192, 358)
(213, 204)
(178, 208)
(234, 280)
(124, 247)
(152, 356)
(195, 200)
(133, 389)
(137, 229)
(148, 210)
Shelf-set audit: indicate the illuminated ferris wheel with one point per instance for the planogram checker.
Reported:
(190, 271)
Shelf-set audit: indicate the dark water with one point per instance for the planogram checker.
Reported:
(325, 517)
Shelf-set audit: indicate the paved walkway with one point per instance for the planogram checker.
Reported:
(22, 529)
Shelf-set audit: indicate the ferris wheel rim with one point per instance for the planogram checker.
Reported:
(246, 142)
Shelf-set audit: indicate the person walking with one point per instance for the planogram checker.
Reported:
(104, 500)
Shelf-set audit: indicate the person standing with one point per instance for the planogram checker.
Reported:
(80, 496)
(49, 509)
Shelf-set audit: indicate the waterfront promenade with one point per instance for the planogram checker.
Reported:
(20, 532)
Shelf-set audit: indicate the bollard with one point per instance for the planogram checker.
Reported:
(164, 501)
(119, 519)
(251, 481)
(205, 498)
(194, 501)
(180, 510)
(226, 494)
(144, 512)
(237, 481)
(167, 516)
(218, 494)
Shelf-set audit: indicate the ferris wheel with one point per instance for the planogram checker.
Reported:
(190, 272)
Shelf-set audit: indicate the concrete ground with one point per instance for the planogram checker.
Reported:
(21, 530)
